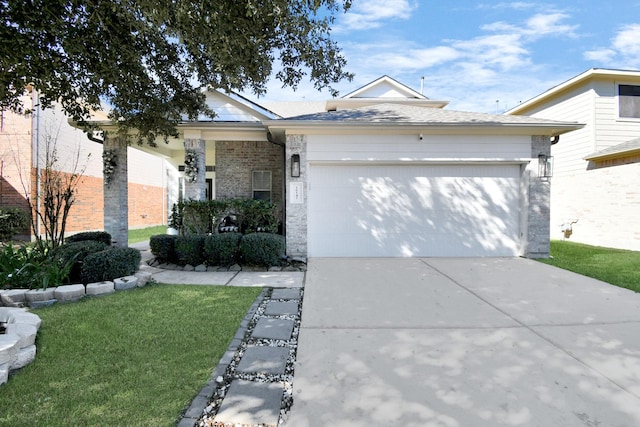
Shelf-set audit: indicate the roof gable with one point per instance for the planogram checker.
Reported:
(231, 107)
(385, 87)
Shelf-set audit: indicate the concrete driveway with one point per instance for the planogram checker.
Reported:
(464, 342)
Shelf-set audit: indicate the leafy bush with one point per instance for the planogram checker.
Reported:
(262, 249)
(99, 236)
(190, 249)
(203, 217)
(163, 247)
(222, 249)
(13, 260)
(110, 264)
(12, 221)
(28, 266)
(75, 253)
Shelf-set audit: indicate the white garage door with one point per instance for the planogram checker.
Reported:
(403, 211)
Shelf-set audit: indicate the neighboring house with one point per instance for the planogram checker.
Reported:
(24, 141)
(597, 168)
(383, 171)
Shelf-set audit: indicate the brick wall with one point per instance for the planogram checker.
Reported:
(146, 206)
(235, 161)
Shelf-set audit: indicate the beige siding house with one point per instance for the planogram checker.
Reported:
(596, 177)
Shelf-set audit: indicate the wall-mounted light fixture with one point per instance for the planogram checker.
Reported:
(295, 166)
(545, 166)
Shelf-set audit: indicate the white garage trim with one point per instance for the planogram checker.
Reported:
(402, 210)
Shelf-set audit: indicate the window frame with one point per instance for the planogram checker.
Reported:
(255, 189)
(618, 101)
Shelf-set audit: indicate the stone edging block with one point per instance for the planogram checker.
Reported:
(68, 293)
(17, 344)
(100, 288)
(123, 283)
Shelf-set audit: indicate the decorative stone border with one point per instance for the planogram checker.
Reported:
(17, 344)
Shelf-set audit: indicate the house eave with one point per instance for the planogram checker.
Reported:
(627, 75)
(611, 156)
(328, 128)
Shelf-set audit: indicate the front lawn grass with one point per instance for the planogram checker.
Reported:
(142, 234)
(133, 358)
(615, 266)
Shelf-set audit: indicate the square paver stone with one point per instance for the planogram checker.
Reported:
(289, 293)
(249, 403)
(277, 308)
(273, 329)
(264, 360)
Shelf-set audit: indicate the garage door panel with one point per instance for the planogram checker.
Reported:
(413, 210)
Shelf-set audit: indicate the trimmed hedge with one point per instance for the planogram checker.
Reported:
(190, 249)
(100, 236)
(110, 264)
(163, 247)
(222, 249)
(76, 251)
(262, 249)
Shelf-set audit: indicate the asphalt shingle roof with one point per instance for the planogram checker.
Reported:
(389, 113)
(631, 145)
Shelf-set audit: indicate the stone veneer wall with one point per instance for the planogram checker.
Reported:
(236, 160)
(296, 225)
(537, 205)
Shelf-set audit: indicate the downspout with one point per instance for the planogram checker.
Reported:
(36, 133)
(272, 140)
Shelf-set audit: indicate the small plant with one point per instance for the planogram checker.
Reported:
(12, 221)
(175, 219)
(222, 249)
(262, 249)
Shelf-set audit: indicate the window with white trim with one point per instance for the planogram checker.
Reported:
(629, 101)
(261, 185)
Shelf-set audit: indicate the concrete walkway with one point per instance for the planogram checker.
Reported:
(464, 342)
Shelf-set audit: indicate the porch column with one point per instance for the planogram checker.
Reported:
(195, 169)
(539, 203)
(115, 190)
(296, 198)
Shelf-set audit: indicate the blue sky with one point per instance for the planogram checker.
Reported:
(480, 55)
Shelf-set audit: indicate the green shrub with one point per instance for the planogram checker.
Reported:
(75, 253)
(222, 249)
(100, 236)
(13, 260)
(27, 266)
(190, 249)
(262, 249)
(163, 247)
(110, 264)
(12, 222)
(204, 216)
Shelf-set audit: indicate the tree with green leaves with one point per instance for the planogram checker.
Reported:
(150, 60)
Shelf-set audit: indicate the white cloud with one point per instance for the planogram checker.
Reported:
(539, 25)
(623, 52)
(627, 42)
(368, 14)
(600, 55)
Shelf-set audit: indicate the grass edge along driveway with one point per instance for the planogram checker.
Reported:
(133, 358)
(615, 266)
